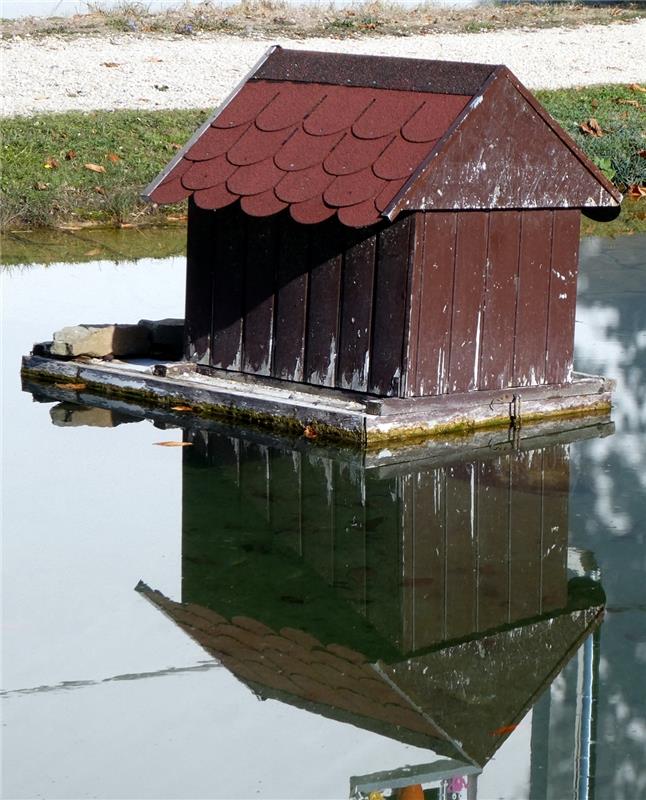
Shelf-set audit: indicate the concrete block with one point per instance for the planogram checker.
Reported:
(100, 341)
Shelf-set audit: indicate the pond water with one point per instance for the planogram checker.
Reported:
(251, 617)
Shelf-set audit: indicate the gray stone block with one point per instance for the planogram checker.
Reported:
(100, 341)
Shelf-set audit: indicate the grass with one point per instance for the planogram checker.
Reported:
(45, 181)
(271, 18)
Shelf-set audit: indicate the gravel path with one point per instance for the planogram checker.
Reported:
(130, 71)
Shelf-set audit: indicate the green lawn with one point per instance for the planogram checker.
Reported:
(46, 182)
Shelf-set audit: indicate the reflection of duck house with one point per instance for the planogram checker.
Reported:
(435, 595)
(395, 228)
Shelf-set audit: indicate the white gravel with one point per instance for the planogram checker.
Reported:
(62, 74)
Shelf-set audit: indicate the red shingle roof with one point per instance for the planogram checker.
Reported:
(315, 148)
(366, 137)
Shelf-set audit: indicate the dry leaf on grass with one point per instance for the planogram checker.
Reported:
(621, 101)
(113, 157)
(636, 87)
(174, 444)
(636, 191)
(75, 387)
(70, 155)
(591, 127)
(51, 163)
(40, 186)
(94, 167)
(99, 190)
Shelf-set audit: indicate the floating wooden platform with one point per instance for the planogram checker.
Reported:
(326, 413)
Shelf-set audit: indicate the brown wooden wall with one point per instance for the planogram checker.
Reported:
(492, 305)
(436, 303)
(323, 304)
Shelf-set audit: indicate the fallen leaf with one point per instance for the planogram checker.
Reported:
(636, 191)
(503, 730)
(40, 186)
(94, 252)
(174, 146)
(636, 87)
(94, 167)
(181, 408)
(594, 103)
(75, 387)
(51, 163)
(174, 444)
(623, 102)
(641, 153)
(70, 155)
(113, 157)
(310, 432)
(110, 64)
(126, 225)
(591, 127)
(98, 190)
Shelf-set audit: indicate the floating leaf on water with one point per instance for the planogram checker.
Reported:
(504, 729)
(94, 167)
(73, 387)
(174, 444)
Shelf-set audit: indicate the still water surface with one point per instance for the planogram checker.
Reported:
(252, 617)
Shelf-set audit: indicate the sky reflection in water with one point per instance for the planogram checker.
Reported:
(406, 567)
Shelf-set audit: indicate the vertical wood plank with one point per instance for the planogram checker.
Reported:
(389, 316)
(356, 314)
(556, 484)
(350, 534)
(413, 305)
(228, 291)
(493, 542)
(434, 329)
(200, 258)
(497, 352)
(526, 528)
(563, 279)
(291, 300)
(533, 298)
(323, 304)
(260, 267)
(428, 565)
(468, 293)
(461, 547)
(318, 514)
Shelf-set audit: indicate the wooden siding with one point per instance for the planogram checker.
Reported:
(324, 305)
(433, 304)
(421, 553)
(494, 306)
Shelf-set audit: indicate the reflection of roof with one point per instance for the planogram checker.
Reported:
(293, 664)
(450, 700)
(365, 137)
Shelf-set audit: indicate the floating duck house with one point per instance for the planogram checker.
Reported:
(393, 227)
(385, 247)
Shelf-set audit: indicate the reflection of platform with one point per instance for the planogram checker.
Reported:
(361, 418)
